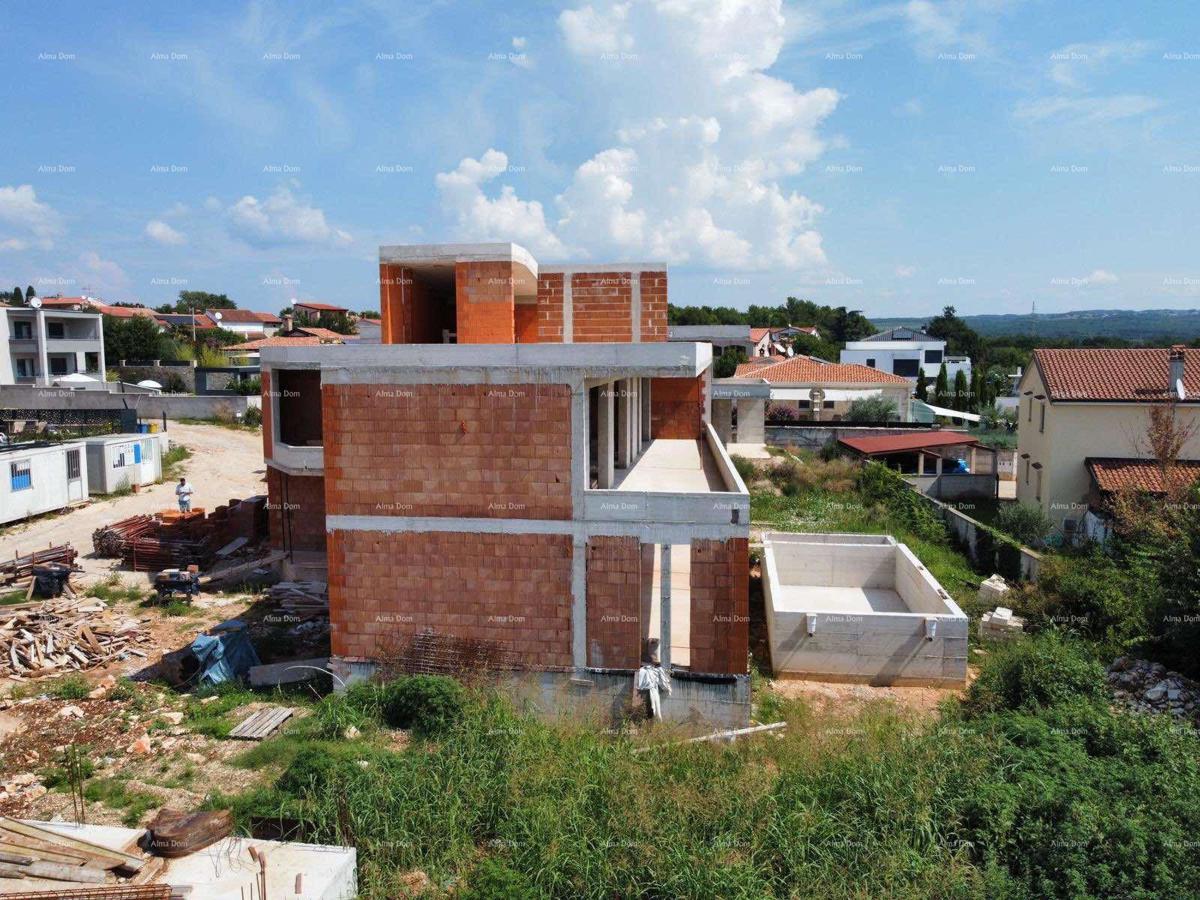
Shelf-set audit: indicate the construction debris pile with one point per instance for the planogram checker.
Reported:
(302, 599)
(20, 568)
(1149, 687)
(62, 635)
(27, 851)
(171, 539)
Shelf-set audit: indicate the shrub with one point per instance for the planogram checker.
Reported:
(872, 409)
(253, 416)
(1094, 595)
(778, 414)
(249, 387)
(493, 879)
(1037, 671)
(427, 704)
(1024, 521)
(745, 468)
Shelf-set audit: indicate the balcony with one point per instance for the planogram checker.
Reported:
(675, 482)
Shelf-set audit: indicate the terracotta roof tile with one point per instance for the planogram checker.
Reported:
(244, 316)
(1136, 375)
(1113, 474)
(320, 307)
(805, 369)
(898, 443)
(276, 342)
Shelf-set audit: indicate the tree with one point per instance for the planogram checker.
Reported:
(872, 409)
(134, 338)
(30, 293)
(922, 385)
(726, 364)
(960, 338)
(978, 399)
(848, 325)
(941, 387)
(962, 391)
(16, 298)
(189, 301)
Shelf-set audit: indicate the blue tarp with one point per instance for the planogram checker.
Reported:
(225, 654)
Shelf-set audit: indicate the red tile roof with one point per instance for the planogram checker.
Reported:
(245, 316)
(277, 341)
(126, 312)
(898, 443)
(1113, 474)
(323, 333)
(757, 334)
(319, 307)
(806, 369)
(1137, 375)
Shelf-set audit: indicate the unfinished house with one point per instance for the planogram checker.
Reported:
(524, 473)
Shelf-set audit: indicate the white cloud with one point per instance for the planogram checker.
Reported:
(1072, 66)
(282, 218)
(26, 221)
(161, 232)
(101, 276)
(518, 43)
(1100, 276)
(906, 271)
(1076, 110)
(504, 217)
(695, 171)
(592, 32)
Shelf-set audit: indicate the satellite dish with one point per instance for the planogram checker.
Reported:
(218, 316)
(35, 302)
(1179, 392)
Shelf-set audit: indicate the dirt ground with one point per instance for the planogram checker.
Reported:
(226, 464)
(848, 699)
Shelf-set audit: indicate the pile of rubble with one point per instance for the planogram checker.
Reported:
(1149, 687)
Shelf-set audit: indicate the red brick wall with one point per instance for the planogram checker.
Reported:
(267, 424)
(601, 304)
(497, 451)
(720, 628)
(550, 308)
(296, 510)
(614, 602)
(654, 306)
(484, 292)
(676, 407)
(526, 315)
(513, 589)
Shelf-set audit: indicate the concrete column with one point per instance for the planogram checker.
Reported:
(568, 311)
(624, 438)
(664, 630)
(100, 334)
(605, 438)
(723, 420)
(579, 603)
(938, 470)
(39, 332)
(971, 460)
(920, 463)
(645, 395)
(751, 417)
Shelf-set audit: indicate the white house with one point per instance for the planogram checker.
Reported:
(40, 477)
(246, 321)
(40, 344)
(906, 352)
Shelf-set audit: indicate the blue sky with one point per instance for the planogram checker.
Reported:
(894, 157)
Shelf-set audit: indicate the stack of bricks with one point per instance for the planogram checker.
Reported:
(720, 625)
(550, 308)
(614, 602)
(654, 306)
(601, 304)
(473, 450)
(484, 298)
(511, 590)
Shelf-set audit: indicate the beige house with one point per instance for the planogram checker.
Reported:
(1078, 406)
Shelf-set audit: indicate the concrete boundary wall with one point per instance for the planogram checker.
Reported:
(816, 437)
(147, 406)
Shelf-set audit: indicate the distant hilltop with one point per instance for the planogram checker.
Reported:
(1131, 324)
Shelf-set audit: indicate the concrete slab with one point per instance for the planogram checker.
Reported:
(225, 869)
(748, 451)
(672, 466)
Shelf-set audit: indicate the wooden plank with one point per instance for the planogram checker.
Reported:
(259, 725)
(243, 568)
(55, 872)
(86, 848)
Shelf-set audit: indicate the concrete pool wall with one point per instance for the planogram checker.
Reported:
(859, 607)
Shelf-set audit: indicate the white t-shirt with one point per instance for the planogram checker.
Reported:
(183, 491)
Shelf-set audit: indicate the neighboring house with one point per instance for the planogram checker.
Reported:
(200, 321)
(1077, 405)
(308, 312)
(562, 510)
(774, 341)
(906, 352)
(370, 331)
(38, 345)
(39, 477)
(246, 322)
(722, 337)
(1110, 478)
(248, 353)
(817, 390)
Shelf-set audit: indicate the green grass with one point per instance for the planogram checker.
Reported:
(116, 794)
(114, 590)
(173, 460)
(73, 687)
(223, 423)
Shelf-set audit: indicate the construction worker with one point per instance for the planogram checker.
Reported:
(183, 491)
